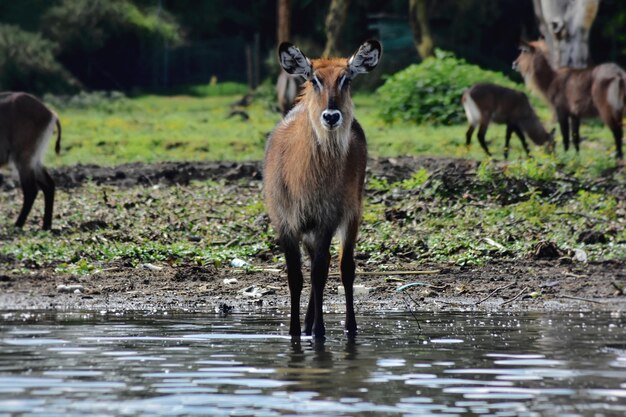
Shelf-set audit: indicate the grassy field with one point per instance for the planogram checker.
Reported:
(410, 221)
(156, 128)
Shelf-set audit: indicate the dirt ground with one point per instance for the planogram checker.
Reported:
(530, 284)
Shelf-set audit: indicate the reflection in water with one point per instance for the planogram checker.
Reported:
(176, 364)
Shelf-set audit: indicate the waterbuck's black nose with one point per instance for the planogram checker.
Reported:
(331, 117)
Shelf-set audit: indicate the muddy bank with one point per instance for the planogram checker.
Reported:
(543, 277)
(500, 286)
(181, 173)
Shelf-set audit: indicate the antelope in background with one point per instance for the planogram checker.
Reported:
(576, 93)
(314, 173)
(26, 126)
(485, 102)
(287, 89)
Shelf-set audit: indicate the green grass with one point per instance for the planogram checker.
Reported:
(212, 222)
(184, 127)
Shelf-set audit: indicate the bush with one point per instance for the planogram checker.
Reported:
(111, 44)
(28, 63)
(430, 92)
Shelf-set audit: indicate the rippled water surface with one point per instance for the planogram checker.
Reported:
(243, 365)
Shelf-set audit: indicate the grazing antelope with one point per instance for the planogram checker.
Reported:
(485, 102)
(576, 93)
(287, 88)
(314, 172)
(26, 126)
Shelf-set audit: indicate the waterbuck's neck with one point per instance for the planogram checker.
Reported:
(542, 74)
(534, 129)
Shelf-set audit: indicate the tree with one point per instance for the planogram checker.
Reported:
(283, 30)
(334, 22)
(418, 18)
(565, 24)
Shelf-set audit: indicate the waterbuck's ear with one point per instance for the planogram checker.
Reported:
(294, 61)
(365, 59)
(525, 46)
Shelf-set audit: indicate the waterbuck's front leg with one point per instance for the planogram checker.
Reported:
(348, 268)
(522, 138)
(575, 125)
(291, 248)
(320, 262)
(563, 119)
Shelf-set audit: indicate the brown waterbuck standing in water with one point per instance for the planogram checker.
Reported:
(484, 103)
(576, 93)
(314, 172)
(26, 126)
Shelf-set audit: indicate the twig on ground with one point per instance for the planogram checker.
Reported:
(492, 293)
(573, 275)
(411, 310)
(425, 272)
(588, 300)
(516, 297)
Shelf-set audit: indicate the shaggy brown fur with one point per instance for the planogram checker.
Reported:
(314, 171)
(26, 126)
(576, 93)
(485, 103)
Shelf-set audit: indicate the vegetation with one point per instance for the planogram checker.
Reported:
(110, 128)
(28, 62)
(430, 92)
(436, 214)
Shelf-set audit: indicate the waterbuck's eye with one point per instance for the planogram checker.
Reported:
(317, 84)
(344, 83)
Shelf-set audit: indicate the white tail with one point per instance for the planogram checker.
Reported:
(472, 112)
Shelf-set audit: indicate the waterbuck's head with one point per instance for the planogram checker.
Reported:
(326, 95)
(529, 52)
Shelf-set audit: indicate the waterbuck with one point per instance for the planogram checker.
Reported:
(287, 89)
(26, 126)
(485, 102)
(576, 93)
(314, 172)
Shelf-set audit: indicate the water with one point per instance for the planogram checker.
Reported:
(165, 364)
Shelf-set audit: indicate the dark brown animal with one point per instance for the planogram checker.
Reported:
(575, 94)
(314, 172)
(26, 126)
(484, 103)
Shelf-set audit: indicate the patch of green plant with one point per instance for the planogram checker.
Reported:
(536, 169)
(28, 63)
(418, 179)
(430, 92)
(227, 88)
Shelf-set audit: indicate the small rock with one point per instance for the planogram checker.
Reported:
(151, 267)
(359, 290)
(580, 255)
(230, 281)
(238, 263)
(72, 288)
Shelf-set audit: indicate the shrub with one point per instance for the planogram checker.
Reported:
(430, 92)
(28, 63)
